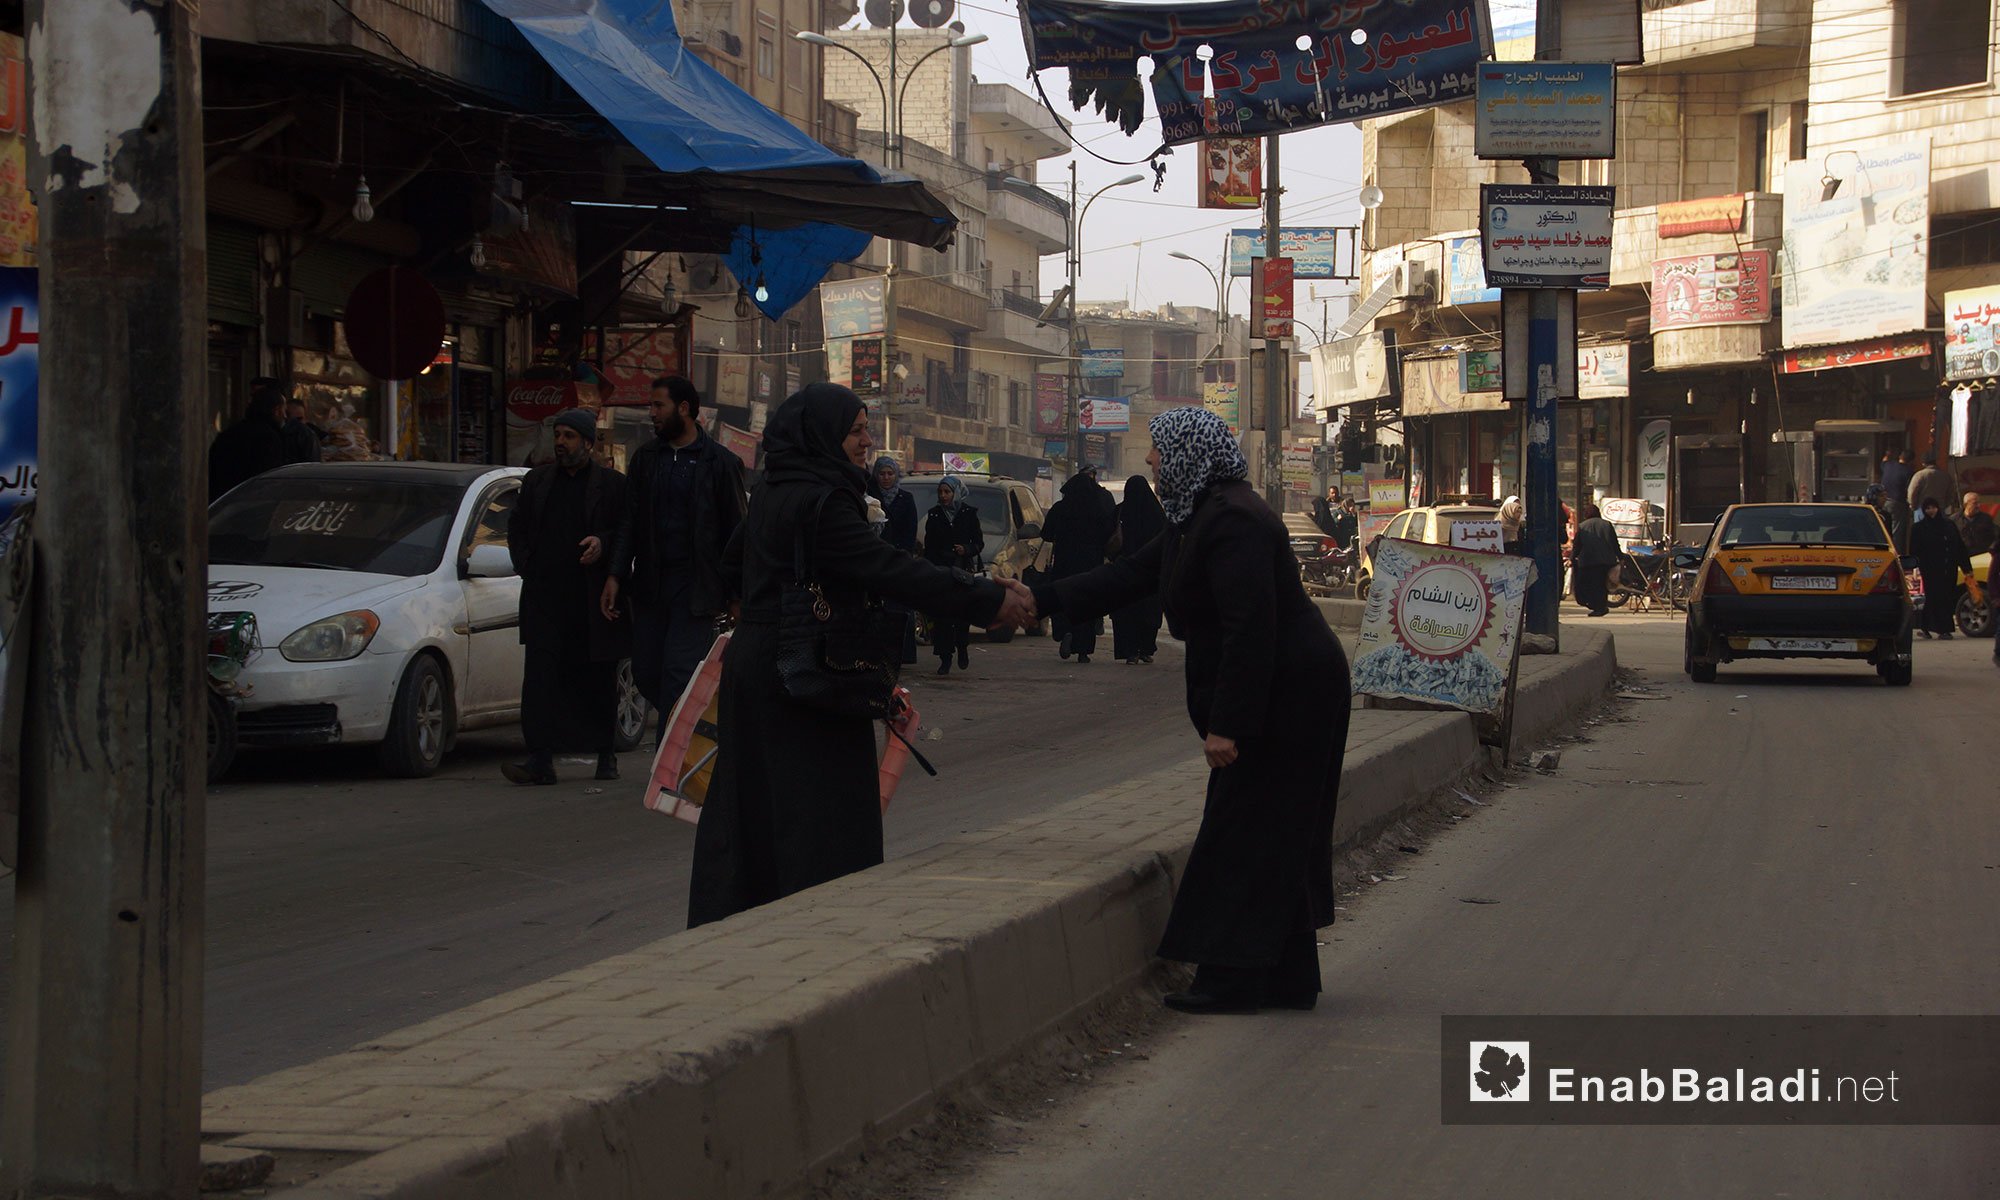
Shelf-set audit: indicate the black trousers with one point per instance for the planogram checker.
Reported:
(668, 642)
(569, 704)
(1588, 581)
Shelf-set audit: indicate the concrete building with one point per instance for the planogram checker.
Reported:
(965, 326)
(1716, 366)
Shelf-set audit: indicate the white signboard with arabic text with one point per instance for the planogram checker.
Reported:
(1441, 625)
(1546, 235)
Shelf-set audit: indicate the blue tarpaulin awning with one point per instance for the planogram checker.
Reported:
(797, 205)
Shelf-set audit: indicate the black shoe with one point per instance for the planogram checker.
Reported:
(944, 666)
(1924, 634)
(1211, 1003)
(1598, 612)
(1146, 658)
(607, 765)
(1946, 635)
(1065, 651)
(532, 771)
(1132, 661)
(1083, 658)
(964, 660)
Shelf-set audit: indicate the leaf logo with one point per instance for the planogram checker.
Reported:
(1499, 1071)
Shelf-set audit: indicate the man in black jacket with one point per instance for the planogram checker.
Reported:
(251, 446)
(565, 515)
(687, 499)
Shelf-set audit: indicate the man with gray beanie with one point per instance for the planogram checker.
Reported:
(559, 534)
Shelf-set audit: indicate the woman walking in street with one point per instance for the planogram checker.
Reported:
(794, 800)
(952, 538)
(898, 505)
(1267, 690)
(1135, 628)
(1940, 553)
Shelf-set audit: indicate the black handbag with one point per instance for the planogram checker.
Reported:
(839, 659)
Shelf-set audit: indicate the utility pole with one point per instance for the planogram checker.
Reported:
(1539, 416)
(1277, 367)
(1070, 417)
(104, 1031)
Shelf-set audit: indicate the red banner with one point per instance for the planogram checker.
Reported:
(1712, 289)
(1051, 398)
(1232, 173)
(1857, 354)
(1274, 299)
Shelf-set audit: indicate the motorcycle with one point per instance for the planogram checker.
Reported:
(1323, 563)
(232, 643)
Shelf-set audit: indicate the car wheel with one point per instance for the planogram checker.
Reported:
(1361, 582)
(1617, 599)
(1002, 635)
(420, 721)
(1974, 619)
(1700, 672)
(221, 735)
(1895, 674)
(632, 710)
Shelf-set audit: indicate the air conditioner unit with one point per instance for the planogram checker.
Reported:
(1415, 281)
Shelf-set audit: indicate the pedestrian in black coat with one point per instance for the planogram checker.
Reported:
(1135, 627)
(249, 447)
(1079, 526)
(898, 505)
(1267, 690)
(302, 439)
(687, 499)
(952, 538)
(1594, 551)
(1940, 553)
(794, 800)
(564, 517)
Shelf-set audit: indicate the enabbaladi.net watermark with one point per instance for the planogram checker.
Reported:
(1720, 1070)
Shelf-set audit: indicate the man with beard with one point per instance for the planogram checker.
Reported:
(1079, 525)
(687, 499)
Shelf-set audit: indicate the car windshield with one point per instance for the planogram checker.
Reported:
(1805, 525)
(991, 504)
(341, 524)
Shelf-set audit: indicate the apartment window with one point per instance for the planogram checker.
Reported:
(767, 57)
(1753, 152)
(1965, 239)
(795, 62)
(1797, 131)
(1938, 44)
(1014, 404)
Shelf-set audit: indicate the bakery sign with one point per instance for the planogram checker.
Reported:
(1441, 626)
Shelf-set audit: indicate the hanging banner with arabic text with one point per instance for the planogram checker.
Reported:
(20, 358)
(1410, 54)
(1440, 625)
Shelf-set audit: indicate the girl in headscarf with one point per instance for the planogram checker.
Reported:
(897, 504)
(794, 800)
(952, 538)
(1941, 555)
(1267, 690)
(1513, 538)
(1135, 628)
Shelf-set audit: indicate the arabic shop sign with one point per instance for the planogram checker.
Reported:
(1550, 109)
(20, 369)
(1361, 58)
(1856, 265)
(1465, 281)
(1856, 354)
(1712, 289)
(1098, 415)
(1970, 319)
(1546, 235)
(1051, 398)
(1232, 173)
(1354, 369)
(1102, 364)
(1441, 625)
(1314, 252)
(1274, 299)
(1715, 214)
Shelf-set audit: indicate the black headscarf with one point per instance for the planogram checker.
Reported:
(802, 441)
(1140, 515)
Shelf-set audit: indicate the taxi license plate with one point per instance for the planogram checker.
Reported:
(1805, 583)
(1805, 645)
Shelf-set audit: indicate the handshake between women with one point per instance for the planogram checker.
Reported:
(1018, 609)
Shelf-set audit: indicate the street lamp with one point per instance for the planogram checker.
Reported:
(962, 40)
(1075, 263)
(1221, 296)
(826, 43)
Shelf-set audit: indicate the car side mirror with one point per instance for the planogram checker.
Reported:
(489, 562)
(1029, 530)
(1687, 558)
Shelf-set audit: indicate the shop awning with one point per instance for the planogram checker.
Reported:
(798, 204)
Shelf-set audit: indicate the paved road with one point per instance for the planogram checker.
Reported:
(342, 905)
(1793, 839)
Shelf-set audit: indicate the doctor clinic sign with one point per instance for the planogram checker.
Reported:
(1441, 625)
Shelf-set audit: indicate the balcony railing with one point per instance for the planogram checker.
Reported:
(997, 182)
(1027, 305)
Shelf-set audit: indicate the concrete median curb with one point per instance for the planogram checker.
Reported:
(740, 1058)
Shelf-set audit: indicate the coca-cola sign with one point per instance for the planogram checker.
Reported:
(535, 400)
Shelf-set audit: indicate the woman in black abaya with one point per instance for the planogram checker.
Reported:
(1267, 690)
(794, 800)
(1135, 628)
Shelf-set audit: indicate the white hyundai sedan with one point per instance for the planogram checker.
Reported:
(386, 605)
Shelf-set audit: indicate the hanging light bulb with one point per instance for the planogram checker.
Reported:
(364, 211)
(478, 255)
(743, 309)
(763, 293)
(669, 303)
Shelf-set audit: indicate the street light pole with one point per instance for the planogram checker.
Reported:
(1220, 332)
(970, 39)
(1075, 263)
(826, 43)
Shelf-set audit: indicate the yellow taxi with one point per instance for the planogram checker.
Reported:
(1433, 524)
(1799, 581)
